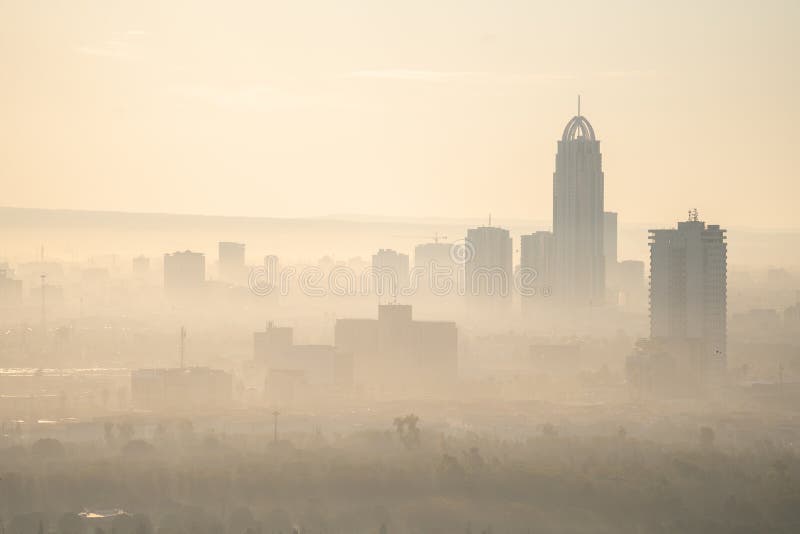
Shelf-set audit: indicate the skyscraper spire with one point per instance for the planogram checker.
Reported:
(579, 105)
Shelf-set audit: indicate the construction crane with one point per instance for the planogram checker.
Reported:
(436, 237)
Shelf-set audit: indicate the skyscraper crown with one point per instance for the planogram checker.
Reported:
(578, 128)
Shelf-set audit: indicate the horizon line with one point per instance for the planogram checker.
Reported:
(378, 218)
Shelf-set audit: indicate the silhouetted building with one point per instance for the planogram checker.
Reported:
(398, 353)
(271, 260)
(427, 253)
(537, 253)
(272, 341)
(437, 269)
(488, 268)
(326, 263)
(231, 262)
(181, 388)
(290, 369)
(791, 316)
(141, 266)
(283, 387)
(390, 272)
(10, 289)
(688, 290)
(578, 220)
(184, 272)
(320, 365)
(266, 280)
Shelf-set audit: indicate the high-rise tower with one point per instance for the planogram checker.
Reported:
(578, 215)
(688, 288)
(537, 253)
(231, 262)
(489, 274)
(184, 273)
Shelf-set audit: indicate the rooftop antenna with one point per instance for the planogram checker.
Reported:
(490, 219)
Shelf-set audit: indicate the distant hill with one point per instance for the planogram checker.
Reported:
(75, 235)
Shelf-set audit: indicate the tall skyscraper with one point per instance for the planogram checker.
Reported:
(184, 272)
(390, 271)
(488, 267)
(141, 266)
(231, 262)
(437, 269)
(688, 289)
(578, 222)
(537, 252)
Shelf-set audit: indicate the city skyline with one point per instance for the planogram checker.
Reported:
(358, 267)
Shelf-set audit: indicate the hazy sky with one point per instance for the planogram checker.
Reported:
(448, 108)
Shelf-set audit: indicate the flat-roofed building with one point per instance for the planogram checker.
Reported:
(396, 353)
(184, 273)
(688, 289)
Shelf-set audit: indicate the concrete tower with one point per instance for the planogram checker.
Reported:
(688, 289)
(537, 253)
(489, 274)
(578, 216)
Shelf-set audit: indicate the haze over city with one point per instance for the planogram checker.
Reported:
(399, 268)
(311, 109)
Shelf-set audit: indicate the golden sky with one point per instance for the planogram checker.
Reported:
(420, 108)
